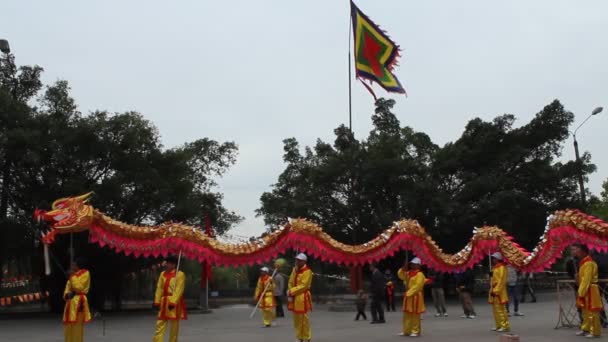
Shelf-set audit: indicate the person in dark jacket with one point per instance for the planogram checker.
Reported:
(377, 294)
(438, 293)
(465, 285)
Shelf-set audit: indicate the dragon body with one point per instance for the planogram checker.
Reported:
(564, 227)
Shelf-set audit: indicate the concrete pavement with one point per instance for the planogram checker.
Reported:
(232, 324)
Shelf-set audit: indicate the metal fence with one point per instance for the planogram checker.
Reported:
(569, 315)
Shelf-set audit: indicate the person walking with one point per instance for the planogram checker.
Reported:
(513, 289)
(361, 302)
(378, 283)
(527, 287)
(390, 291)
(438, 293)
(498, 294)
(465, 285)
(279, 292)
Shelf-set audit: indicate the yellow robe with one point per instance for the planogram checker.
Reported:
(79, 284)
(299, 289)
(498, 283)
(498, 296)
(589, 298)
(267, 303)
(413, 300)
(300, 301)
(170, 291)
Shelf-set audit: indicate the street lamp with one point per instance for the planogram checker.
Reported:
(581, 182)
(4, 47)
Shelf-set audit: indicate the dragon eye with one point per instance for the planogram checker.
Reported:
(60, 217)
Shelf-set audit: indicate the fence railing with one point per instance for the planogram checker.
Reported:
(569, 315)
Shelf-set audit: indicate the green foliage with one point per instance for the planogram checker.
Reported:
(599, 207)
(48, 149)
(493, 174)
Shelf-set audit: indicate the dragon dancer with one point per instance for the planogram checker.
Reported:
(76, 311)
(413, 300)
(498, 296)
(169, 298)
(299, 299)
(264, 294)
(589, 299)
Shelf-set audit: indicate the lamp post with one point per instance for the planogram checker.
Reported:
(4, 47)
(581, 182)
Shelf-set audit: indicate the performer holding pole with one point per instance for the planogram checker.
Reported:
(169, 298)
(298, 296)
(413, 300)
(76, 311)
(498, 293)
(588, 299)
(264, 294)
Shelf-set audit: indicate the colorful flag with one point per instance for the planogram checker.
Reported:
(375, 53)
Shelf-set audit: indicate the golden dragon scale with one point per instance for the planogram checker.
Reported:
(564, 227)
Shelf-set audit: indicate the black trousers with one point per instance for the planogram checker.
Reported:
(360, 313)
(279, 308)
(376, 307)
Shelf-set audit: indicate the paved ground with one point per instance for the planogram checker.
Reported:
(233, 324)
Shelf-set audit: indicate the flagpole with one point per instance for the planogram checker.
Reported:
(350, 88)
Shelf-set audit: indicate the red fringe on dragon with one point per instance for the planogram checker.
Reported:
(564, 227)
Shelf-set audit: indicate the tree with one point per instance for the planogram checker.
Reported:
(353, 188)
(493, 174)
(599, 207)
(56, 151)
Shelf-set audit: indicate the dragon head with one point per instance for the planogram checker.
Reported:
(68, 215)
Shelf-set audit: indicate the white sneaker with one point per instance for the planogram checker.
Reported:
(414, 335)
(437, 315)
(445, 314)
(519, 314)
(493, 329)
(472, 317)
(581, 333)
(502, 330)
(401, 334)
(591, 336)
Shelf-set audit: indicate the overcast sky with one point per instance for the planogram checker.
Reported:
(256, 72)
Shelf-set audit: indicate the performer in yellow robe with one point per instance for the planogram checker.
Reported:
(298, 296)
(413, 300)
(498, 293)
(169, 298)
(589, 299)
(265, 290)
(76, 311)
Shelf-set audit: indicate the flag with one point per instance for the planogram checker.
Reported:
(375, 53)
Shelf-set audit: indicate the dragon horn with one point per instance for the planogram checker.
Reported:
(85, 197)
